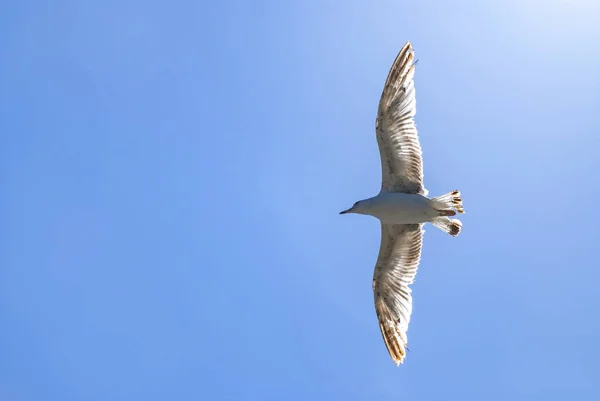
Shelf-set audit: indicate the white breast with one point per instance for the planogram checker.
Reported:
(401, 208)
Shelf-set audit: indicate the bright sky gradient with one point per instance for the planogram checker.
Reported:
(172, 174)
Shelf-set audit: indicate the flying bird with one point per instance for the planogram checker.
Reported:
(402, 205)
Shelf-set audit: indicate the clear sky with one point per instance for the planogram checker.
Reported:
(172, 174)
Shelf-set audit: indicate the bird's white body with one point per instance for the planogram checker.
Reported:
(400, 208)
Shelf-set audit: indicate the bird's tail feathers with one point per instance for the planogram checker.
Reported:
(447, 225)
(448, 202)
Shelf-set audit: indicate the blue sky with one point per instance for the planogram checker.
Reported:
(172, 175)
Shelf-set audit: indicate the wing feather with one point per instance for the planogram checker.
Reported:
(396, 267)
(397, 137)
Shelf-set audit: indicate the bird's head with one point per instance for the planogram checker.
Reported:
(359, 207)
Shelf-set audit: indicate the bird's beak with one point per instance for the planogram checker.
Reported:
(345, 211)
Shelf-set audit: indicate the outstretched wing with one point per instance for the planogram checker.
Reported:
(396, 267)
(399, 147)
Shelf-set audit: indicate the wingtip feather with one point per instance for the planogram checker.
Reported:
(393, 337)
(401, 73)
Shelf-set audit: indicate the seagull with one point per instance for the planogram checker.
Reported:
(402, 205)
